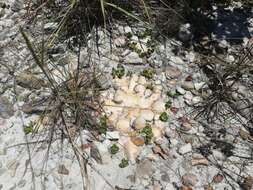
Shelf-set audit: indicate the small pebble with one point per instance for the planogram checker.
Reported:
(218, 178)
(189, 179)
(180, 90)
(21, 183)
(63, 170)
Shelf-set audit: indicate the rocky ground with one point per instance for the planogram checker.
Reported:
(154, 141)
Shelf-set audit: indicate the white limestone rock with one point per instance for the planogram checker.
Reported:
(132, 151)
(123, 125)
(99, 151)
(133, 58)
(185, 149)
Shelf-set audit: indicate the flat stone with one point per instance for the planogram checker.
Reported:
(133, 58)
(144, 168)
(30, 108)
(131, 150)
(148, 93)
(188, 96)
(2, 12)
(17, 5)
(138, 140)
(112, 135)
(71, 186)
(12, 166)
(139, 89)
(158, 106)
(127, 29)
(199, 161)
(100, 153)
(6, 108)
(186, 126)
(119, 97)
(169, 186)
(172, 72)
(21, 183)
(50, 26)
(185, 33)
(185, 188)
(208, 187)
(244, 134)
(180, 90)
(248, 183)
(120, 41)
(185, 149)
(2, 151)
(123, 125)
(188, 85)
(142, 80)
(196, 99)
(30, 81)
(199, 85)
(218, 178)
(63, 170)
(2, 171)
(157, 187)
(139, 123)
(176, 60)
(13, 187)
(147, 115)
(189, 179)
(218, 155)
(190, 57)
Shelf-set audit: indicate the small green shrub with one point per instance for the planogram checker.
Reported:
(148, 73)
(28, 128)
(124, 163)
(114, 149)
(118, 72)
(168, 104)
(102, 125)
(144, 34)
(147, 133)
(172, 94)
(164, 117)
(150, 87)
(129, 35)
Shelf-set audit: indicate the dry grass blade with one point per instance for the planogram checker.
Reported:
(102, 3)
(127, 13)
(225, 80)
(37, 59)
(146, 10)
